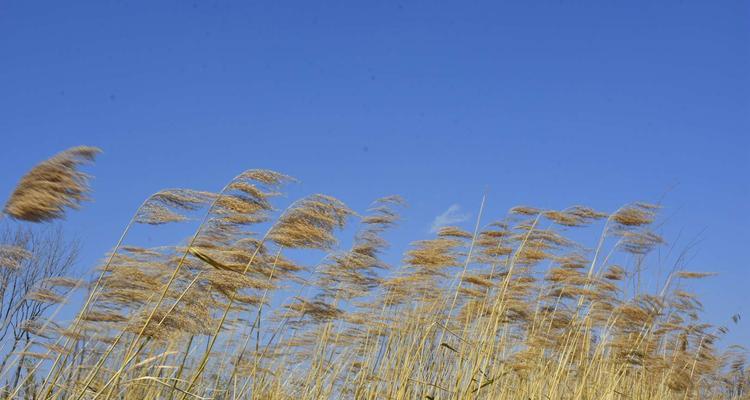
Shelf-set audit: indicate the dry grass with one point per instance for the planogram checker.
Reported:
(514, 310)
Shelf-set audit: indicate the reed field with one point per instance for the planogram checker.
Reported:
(514, 308)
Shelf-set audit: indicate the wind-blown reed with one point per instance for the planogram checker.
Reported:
(515, 310)
(53, 185)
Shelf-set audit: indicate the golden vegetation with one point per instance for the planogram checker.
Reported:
(50, 187)
(514, 310)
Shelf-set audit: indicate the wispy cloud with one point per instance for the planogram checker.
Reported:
(453, 215)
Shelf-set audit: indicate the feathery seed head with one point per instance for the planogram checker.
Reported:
(310, 223)
(167, 205)
(51, 186)
(11, 257)
(635, 215)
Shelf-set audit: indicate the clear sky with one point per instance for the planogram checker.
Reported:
(542, 103)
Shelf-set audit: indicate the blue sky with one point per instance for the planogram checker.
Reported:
(543, 103)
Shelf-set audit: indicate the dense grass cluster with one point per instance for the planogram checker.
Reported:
(514, 309)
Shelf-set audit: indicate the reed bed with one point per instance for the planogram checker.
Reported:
(511, 309)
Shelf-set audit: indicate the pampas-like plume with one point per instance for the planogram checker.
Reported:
(635, 215)
(49, 188)
(310, 223)
(574, 216)
(45, 296)
(12, 256)
(694, 275)
(434, 255)
(162, 207)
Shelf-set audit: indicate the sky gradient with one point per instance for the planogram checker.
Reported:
(549, 104)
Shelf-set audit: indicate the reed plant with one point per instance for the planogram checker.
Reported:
(513, 309)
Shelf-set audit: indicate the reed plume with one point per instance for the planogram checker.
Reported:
(53, 185)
